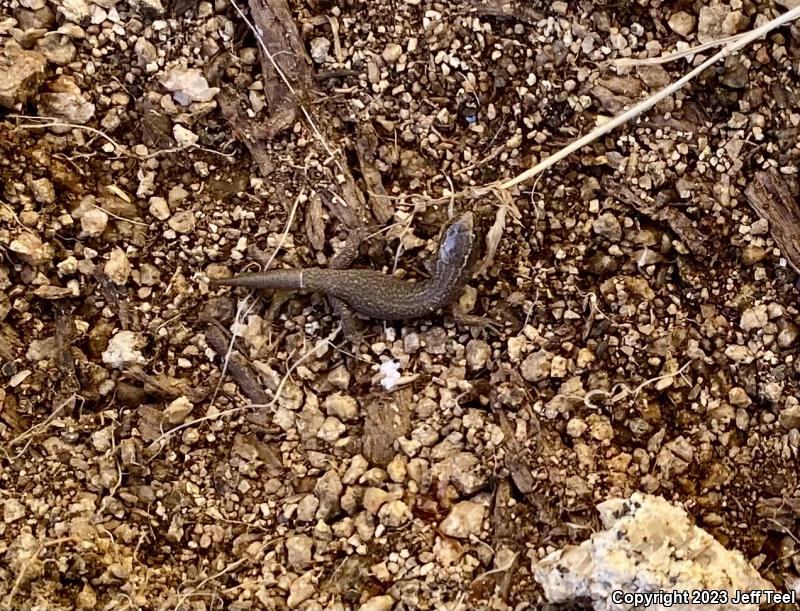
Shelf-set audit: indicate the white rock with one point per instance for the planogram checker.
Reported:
(739, 354)
(391, 374)
(607, 226)
(464, 519)
(649, 545)
(188, 85)
(319, 49)
(790, 416)
(396, 469)
(342, 406)
(30, 249)
(42, 349)
(710, 23)
(301, 590)
(464, 471)
(307, 508)
(103, 439)
(536, 366)
(13, 510)
(394, 514)
(374, 498)
(183, 136)
(177, 195)
(298, 551)
(177, 410)
(477, 353)
(358, 466)
(378, 603)
(787, 336)
(73, 10)
(558, 367)
(392, 52)
(118, 268)
(682, 23)
(576, 427)
(737, 396)
(124, 348)
(43, 191)
(328, 490)
(754, 318)
(94, 222)
(159, 208)
(331, 429)
(57, 48)
(145, 50)
(182, 221)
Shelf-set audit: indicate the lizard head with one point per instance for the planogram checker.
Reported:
(457, 241)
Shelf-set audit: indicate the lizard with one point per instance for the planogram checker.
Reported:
(377, 295)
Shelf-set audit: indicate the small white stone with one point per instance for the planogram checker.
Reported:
(178, 409)
(117, 268)
(464, 519)
(301, 590)
(760, 227)
(43, 191)
(607, 226)
(358, 466)
(536, 366)
(558, 367)
(737, 396)
(188, 85)
(342, 406)
(73, 10)
(159, 208)
(754, 318)
(394, 514)
(576, 427)
(331, 429)
(13, 510)
(392, 52)
(378, 603)
(299, 551)
(182, 221)
(319, 49)
(738, 353)
(374, 498)
(94, 222)
(183, 136)
(682, 23)
(124, 348)
(477, 353)
(30, 248)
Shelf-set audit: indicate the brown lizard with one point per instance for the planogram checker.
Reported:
(381, 296)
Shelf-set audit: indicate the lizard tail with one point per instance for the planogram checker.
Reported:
(281, 279)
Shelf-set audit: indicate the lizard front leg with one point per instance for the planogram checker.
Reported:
(343, 260)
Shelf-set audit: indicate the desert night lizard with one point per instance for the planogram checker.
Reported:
(378, 295)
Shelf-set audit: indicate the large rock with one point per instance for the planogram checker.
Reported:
(21, 73)
(65, 101)
(649, 546)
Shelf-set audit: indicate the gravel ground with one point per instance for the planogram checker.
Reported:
(647, 312)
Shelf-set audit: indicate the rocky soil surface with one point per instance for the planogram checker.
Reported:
(645, 292)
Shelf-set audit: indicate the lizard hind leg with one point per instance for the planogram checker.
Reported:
(463, 319)
(350, 326)
(349, 251)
